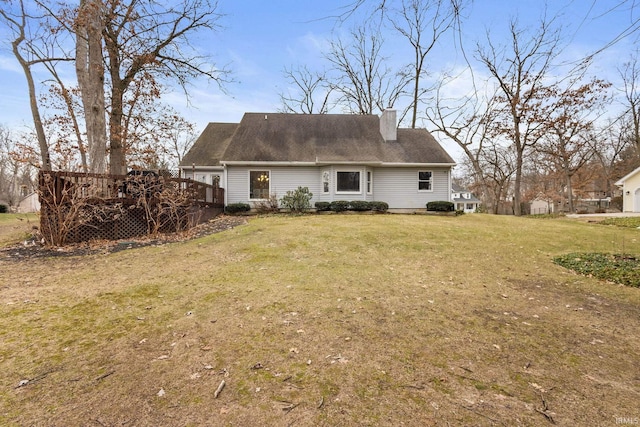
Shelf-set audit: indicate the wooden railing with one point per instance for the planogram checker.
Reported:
(82, 206)
(125, 188)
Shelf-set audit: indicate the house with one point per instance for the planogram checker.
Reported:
(630, 185)
(463, 199)
(29, 203)
(337, 156)
(543, 204)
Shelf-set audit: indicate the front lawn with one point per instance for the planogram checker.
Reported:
(326, 320)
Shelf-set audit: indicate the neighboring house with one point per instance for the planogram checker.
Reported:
(337, 156)
(463, 199)
(542, 205)
(29, 203)
(630, 185)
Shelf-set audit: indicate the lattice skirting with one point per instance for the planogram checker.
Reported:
(125, 224)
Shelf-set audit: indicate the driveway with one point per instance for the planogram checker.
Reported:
(605, 215)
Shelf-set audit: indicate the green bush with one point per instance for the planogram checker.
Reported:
(440, 206)
(459, 212)
(359, 205)
(237, 207)
(323, 206)
(339, 205)
(298, 200)
(4, 208)
(379, 206)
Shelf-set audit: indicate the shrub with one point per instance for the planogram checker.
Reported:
(440, 206)
(359, 205)
(339, 205)
(3, 208)
(269, 205)
(298, 200)
(323, 206)
(379, 206)
(459, 212)
(237, 207)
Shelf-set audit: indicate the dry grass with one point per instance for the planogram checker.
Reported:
(326, 320)
(14, 227)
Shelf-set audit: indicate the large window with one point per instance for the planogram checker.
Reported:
(348, 182)
(259, 185)
(425, 181)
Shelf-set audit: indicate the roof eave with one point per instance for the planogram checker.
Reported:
(330, 162)
(200, 167)
(413, 165)
(264, 163)
(621, 181)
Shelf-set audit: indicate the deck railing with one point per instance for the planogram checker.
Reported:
(84, 206)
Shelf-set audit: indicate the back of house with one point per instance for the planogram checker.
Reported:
(336, 156)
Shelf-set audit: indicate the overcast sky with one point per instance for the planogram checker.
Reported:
(260, 38)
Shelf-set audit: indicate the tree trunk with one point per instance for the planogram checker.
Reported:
(569, 192)
(517, 198)
(37, 120)
(117, 160)
(90, 73)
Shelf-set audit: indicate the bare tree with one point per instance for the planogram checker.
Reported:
(25, 38)
(90, 74)
(153, 38)
(312, 91)
(423, 23)
(630, 75)
(519, 71)
(364, 83)
(463, 121)
(498, 165)
(15, 174)
(570, 115)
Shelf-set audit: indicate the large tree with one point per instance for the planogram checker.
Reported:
(364, 82)
(28, 44)
(91, 80)
(151, 38)
(310, 91)
(520, 71)
(570, 115)
(422, 23)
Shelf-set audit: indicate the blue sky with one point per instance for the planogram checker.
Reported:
(261, 38)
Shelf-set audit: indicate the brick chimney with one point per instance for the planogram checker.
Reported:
(388, 126)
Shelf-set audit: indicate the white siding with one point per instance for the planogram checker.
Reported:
(396, 186)
(282, 179)
(399, 187)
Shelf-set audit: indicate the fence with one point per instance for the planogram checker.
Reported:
(82, 206)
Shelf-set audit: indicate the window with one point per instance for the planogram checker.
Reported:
(348, 182)
(425, 181)
(470, 206)
(369, 191)
(259, 186)
(325, 182)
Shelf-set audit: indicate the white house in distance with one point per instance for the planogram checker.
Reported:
(630, 185)
(337, 156)
(463, 199)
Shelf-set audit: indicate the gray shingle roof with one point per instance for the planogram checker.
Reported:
(317, 138)
(210, 145)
